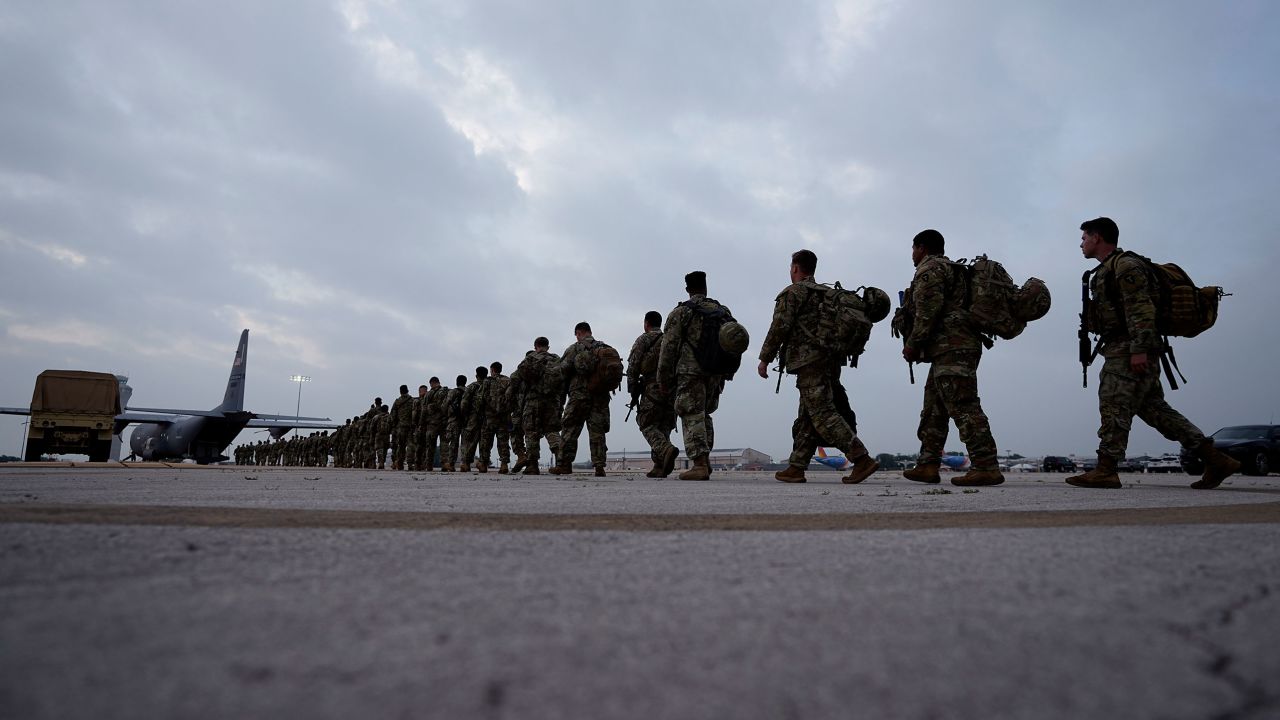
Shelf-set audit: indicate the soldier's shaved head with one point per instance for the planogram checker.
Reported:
(541, 343)
(404, 389)
(931, 241)
(696, 282)
(495, 367)
(462, 380)
(583, 327)
(806, 260)
(653, 319)
(482, 372)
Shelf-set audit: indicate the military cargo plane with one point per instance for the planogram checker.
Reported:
(201, 435)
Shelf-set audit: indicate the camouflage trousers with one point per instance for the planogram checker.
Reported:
(656, 418)
(450, 444)
(384, 445)
(818, 421)
(1123, 394)
(470, 441)
(400, 447)
(517, 434)
(541, 419)
(593, 411)
(495, 428)
(697, 396)
(951, 393)
(429, 436)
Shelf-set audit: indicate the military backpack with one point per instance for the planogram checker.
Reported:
(1182, 309)
(997, 306)
(840, 321)
(602, 366)
(712, 356)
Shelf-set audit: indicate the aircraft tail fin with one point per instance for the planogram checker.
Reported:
(233, 399)
(821, 452)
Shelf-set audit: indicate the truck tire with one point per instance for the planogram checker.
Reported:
(100, 451)
(35, 448)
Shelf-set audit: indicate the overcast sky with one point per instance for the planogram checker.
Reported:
(385, 191)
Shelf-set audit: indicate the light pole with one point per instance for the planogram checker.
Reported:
(22, 454)
(297, 410)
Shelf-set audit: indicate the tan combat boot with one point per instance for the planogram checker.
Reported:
(792, 474)
(1218, 466)
(521, 461)
(861, 470)
(701, 470)
(502, 469)
(980, 477)
(561, 469)
(482, 467)
(656, 471)
(924, 472)
(669, 460)
(1103, 475)
(599, 471)
(446, 467)
(531, 469)
(464, 467)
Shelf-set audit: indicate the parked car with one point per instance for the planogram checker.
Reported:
(1257, 447)
(1055, 463)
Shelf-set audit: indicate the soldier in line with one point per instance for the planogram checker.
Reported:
(655, 407)
(413, 460)
(806, 356)
(473, 401)
(538, 381)
(435, 414)
(401, 423)
(942, 336)
(382, 441)
(583, 406)
(1123, 313)
(697, 392)
(449, 448)
(496, 414)
(515, 401)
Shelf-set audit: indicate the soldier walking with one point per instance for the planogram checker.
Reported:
(453, 426)
(697, 392)
(655, 406)
(497, 413)
(817, 372)
(1123, 314)
(942, 336)
(585, 405)
(401, 422)
(473, 420)
(539, 382)
(382, 436)
(434, 419)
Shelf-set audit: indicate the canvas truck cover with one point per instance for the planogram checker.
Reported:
(76, 391)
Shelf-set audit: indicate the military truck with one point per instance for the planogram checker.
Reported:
(72, 413)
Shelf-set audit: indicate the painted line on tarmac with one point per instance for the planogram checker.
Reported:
(237, 517)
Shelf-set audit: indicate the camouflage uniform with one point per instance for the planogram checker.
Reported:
(434, 418)
(451, 445)
(540, 403)
(401, 424)
(497, 414)
(697, 393)
(413, 450)
(656, 413)
(943, 337)
(473, 400)
(382, 439)
(1124, 315)
(582, 407)
(818, 421)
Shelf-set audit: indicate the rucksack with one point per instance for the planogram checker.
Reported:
(710, 354)
(602, 366)
(497, 394)
(840, 323)
(649, 360)
(996, 305)
(1182, 309)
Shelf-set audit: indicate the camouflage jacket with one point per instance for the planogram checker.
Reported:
(382, 428)
(941, 321)
(577, 381)
(1123, 312)
(680, 335)
(401, 412)
(436, 407)
(526, 381)
(453, 404)
(642, 350)
(498, 405)
(794, 315)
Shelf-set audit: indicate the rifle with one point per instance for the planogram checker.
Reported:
(901, 326)
(1087, 354)
(782, 367)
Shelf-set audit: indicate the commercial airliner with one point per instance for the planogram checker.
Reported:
(201, 435)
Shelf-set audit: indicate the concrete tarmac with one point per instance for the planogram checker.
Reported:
(266, 592)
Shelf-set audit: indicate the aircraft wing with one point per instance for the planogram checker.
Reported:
(292, 418)
(150, 416)
(169, 411)
(14, 411)
(290, 423)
